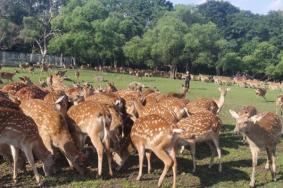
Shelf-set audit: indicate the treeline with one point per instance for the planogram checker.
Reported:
(212, 38)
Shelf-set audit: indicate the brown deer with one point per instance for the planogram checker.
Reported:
(157, 135)
(201, 127)
(77, 74)
(111, 87)
(5, 151)
(7, 76)
(263, 131)
(261, 92)
(54, 130)
(94, 120)
(20, 132)
(7, 103)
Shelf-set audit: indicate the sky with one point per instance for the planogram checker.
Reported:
(255, 6)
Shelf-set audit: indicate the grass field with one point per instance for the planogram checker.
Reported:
(236, 155)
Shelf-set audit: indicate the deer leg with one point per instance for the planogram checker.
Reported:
(213, 153)
(216, 143)
(273, 163)
(15, 155)
(172, 154)
(161, 154)
(99, 148)
(109, 157)
(254, 152)
(148, 157)
(270, 162)
(29, 156)
(141, 151)
(193, 153)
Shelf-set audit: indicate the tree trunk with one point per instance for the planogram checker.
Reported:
(173, 70)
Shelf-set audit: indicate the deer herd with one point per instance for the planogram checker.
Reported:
(49, 121)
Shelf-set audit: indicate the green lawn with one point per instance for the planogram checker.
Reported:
(236, 155)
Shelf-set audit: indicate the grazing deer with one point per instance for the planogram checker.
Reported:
(201, 127)
(20, 132)
(157, 135)
(263, 131)
(94, 120)
(7, 75)
(279, 104)
(261, 92)
(54, 130)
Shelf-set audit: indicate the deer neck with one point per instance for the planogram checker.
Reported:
(220, 101)
(139, 107)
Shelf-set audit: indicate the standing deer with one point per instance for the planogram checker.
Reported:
(157, 135)
(201, 127)
(54, 130)
(20, 132)
(263, 131)
(279, 104)
(261, 92)
(214, 106)
(7, 75)
(94, 120)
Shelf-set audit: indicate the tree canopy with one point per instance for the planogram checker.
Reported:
(214, 37)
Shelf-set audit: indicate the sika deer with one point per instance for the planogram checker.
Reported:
(59, 100)
(54, 130)
(20, 132)
(201, 127)
(156, 134)
(213, 106)
(94, 120)
(263, 131)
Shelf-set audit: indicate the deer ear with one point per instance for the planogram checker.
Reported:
(59, 99)
(234, 114)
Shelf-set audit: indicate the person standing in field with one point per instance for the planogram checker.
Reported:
(187, 79)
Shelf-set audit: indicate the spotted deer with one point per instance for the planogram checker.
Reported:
(263, 131)
(92, 119)
(13, 87)
(213, 106)
(155, 134)
(201, 127)
(59, 100)
(54, 131)
(20, 132)
(137, 110)
(181, 95)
